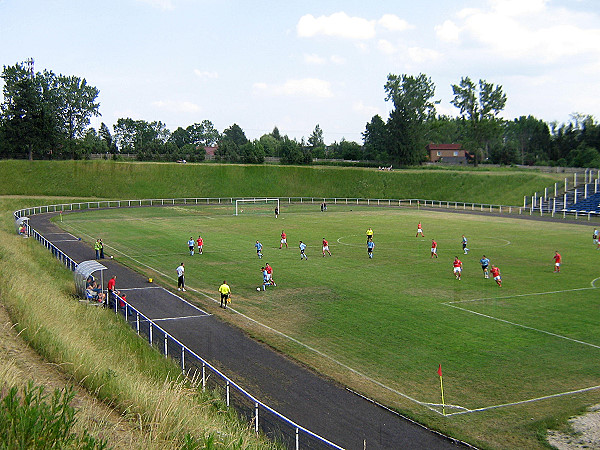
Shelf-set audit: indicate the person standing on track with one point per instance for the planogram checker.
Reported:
(180, 278)
(111, 290)
(225, 292)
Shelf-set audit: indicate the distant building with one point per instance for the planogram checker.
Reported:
(210, 152)
(447, 153)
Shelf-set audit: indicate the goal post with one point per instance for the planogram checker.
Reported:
(256, 206)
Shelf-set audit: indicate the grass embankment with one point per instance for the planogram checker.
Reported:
(117, 180)
(101, 353)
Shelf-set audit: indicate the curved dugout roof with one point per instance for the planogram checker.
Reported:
(83, 270)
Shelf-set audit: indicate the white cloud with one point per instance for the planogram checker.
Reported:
(166, 5)
(386, 47)
(448, 31)
(336, 59)
(338, 24)
(177, 106)
(530, 30)
(368, 111)
(205, 74)
(518, 7)
(394, 23)
(314, 59)
(422, 55)
(306, 87)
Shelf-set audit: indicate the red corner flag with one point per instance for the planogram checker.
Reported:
(440, 370)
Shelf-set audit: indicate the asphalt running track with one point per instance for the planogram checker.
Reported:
(311, 401)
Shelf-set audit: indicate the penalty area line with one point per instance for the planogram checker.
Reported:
(522, 402)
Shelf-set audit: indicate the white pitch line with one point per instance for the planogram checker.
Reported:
(524, 326)
(177, 318)
(521, 295)
(356, 372)
(531, 400)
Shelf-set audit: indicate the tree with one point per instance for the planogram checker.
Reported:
(203, 134)
(376, 140)
(316, 138)
(275, 134)
(413, 106)
(235, 134)
(531, 138)
(76, 104)
(180, 137)
(28, 124)
(480, 105)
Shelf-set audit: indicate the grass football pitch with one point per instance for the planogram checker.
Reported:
(383, 325)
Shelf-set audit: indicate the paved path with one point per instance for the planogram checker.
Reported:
(313, 402)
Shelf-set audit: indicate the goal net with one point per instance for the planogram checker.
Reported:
(256, 206)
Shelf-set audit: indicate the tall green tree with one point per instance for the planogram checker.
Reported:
(76, 103)
(203, 134)
(376, 140)
(413, 106)
(479, 104)
(235, 134)
(28, 124)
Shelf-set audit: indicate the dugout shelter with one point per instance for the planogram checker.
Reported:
(82, 272)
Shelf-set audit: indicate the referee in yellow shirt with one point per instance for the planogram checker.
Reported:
(225, 294)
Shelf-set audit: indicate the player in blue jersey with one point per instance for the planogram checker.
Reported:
(302, 248)
(370, 247)
(258, 246)
(464, 244)
(485, 262)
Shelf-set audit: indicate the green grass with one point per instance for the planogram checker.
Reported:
(117, 180)
(390, 318)
(101, 353)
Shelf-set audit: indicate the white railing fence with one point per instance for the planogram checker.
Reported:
(272, 423)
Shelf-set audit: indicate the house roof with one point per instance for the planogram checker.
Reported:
(444, 147)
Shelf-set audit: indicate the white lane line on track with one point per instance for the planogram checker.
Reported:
(431, 406)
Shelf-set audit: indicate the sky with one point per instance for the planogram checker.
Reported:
(294, 65)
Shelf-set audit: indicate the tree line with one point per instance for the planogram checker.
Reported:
(48, 116)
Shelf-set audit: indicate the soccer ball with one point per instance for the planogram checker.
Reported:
(258, 289)
(111, 256)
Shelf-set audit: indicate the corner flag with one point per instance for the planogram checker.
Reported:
(442, 389)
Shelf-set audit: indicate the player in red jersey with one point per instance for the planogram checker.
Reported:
(200, 243)
(434, 248)
(457, 267)
(283, 240)
(325, 247)
(269, 271)
(419, 230)
(557, 261)
(496, 275)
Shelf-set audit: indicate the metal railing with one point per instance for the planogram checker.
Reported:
(274, 425)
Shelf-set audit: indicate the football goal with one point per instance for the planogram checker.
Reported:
(256, 206)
